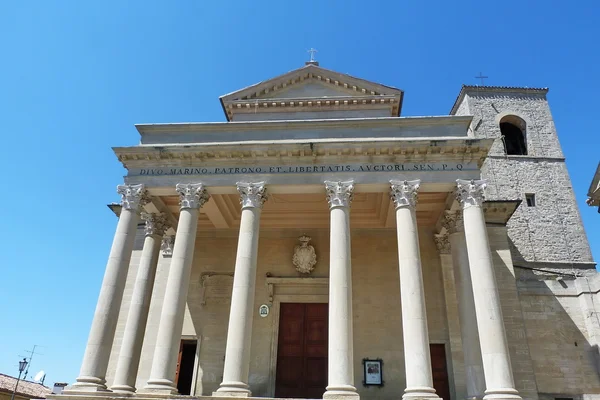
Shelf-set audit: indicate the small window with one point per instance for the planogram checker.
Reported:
(512, 129)
(530, 199)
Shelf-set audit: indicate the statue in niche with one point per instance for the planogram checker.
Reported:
(304, 258)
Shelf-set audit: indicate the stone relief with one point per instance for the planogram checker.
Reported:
(305, 257)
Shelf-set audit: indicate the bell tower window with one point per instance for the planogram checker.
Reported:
(513, 135)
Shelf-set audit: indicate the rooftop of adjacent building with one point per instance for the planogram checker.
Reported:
(26, 389)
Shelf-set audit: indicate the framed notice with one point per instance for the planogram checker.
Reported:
(373, 372)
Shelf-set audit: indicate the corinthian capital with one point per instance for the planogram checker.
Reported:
(453, 221)
(470, 193)
(133, 197)
(166, 245)
(191, 195)
(339, 194)
(156, 224)
(404, 193)
(252, 195)
(442, 243)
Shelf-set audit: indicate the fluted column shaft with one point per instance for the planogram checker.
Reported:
(466, 310)
(492, 336)
(417, 358)
(164, 363)
(102, 333)
(239, 333)
(341, 351)
(135, 326)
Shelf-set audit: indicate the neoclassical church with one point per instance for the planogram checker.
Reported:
(318, 244)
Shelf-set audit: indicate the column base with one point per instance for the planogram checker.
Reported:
(342, 392)
(502, 394)
(88, 384)
(233, 389)
(123, 389)
(417, 393)
(159, 386)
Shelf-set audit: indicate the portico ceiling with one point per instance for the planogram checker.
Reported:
(369, 210)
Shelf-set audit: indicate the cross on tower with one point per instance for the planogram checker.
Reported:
(312, 54)
(482, 78)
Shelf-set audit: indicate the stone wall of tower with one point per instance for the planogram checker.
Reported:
(548, 248)
(551, 234)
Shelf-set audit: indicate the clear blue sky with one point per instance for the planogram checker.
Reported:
(76, 76)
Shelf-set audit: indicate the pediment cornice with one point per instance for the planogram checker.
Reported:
(350, 87)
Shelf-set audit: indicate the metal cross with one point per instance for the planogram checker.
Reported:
(482, 78)
(312, 54)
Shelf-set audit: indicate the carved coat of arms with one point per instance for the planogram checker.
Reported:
(305, 257)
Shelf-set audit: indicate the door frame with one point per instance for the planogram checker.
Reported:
(198, 340)
(275, 312)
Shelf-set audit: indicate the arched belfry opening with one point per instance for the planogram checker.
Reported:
(513, 132)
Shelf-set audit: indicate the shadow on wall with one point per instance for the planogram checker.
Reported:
(564, 362)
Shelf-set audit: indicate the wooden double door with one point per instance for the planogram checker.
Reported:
(302, 351)
(302, 354)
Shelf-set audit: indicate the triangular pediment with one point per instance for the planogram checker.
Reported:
(311, 83)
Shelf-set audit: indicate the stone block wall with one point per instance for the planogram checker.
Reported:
(376, 305)
(552, 231)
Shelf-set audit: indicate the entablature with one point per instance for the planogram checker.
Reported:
(357, 150)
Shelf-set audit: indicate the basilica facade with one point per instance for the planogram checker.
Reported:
(320, 245)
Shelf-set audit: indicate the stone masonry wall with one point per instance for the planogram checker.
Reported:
(551, 231)
(376, 302)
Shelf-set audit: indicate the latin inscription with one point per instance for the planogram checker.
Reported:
(305, 169)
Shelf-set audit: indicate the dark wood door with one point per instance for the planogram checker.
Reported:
(302, 351)
(440, 370)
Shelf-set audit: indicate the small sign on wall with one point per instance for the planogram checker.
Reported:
(263, 310)
(373, 372)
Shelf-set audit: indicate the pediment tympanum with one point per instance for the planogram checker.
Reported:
(310, 89)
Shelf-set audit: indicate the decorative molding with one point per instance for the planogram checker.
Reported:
(305, 257)
(166, 246)
(470, 193)
(442, 243)
(252, 195)
(404, 193)
(300, 284)
(403, 149)
(192, 195)
(339, 194)
(133, 197)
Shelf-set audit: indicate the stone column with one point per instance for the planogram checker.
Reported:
(341, 357)
(417, 359)
(494, 347)
(97, 352)
(164, 363)
(239, 333)
(466, 307)
(135, 326)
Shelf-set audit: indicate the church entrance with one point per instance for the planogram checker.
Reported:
(302, 351)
